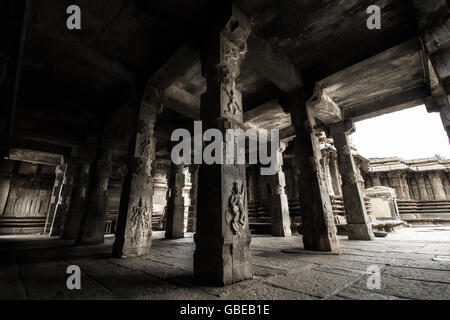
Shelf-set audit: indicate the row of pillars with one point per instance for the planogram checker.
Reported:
(222, 255)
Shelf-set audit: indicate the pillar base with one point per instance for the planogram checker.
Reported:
(360, 232)
(222, 262)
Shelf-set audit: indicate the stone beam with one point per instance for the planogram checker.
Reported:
(272, 65)
(395, 102)
(35, 157)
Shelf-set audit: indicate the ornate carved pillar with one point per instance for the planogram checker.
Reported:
(281, 222)
(175, 205)
(78, 202)
(92, 226)
(319, 230)
(66, 193)
(222, 254)
(358, 226)
(134, 224)
(192, 217)
(436, 42)
(437, 185)
(60, 172)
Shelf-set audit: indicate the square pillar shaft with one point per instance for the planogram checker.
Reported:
(192, 217)
(78, 203)
(175, 204)
(222, 254)
(358, 226)
(319, 231)
(134, 225)
(55, 198)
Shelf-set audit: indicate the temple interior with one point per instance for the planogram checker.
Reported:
(87, 176)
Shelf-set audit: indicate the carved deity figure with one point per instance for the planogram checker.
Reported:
(236, 214)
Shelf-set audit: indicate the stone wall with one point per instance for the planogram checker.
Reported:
(27, 190)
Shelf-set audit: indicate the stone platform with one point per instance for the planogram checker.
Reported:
(414, 263)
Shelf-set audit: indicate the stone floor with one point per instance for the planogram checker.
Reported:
(414, 263)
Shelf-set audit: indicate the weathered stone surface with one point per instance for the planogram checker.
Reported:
(72, 220)
(92, 224)
(281, 222)
(319, 231)
(134, 227)
(175, 204)
(358, 226)
(52, 218)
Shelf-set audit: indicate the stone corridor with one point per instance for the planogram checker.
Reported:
(414, 263)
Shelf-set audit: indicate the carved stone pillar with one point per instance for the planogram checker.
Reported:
(192, 217)
(376, 180)
(66, 193)
(222, 254)
(438, 186)
(335, 177)
(60, 172)
(6, 168)
(358, 226)
(319, 230)
(92, 226)
(175, 205)
(78, 202)
(405, 186)
(134, 225)
(326, 168)
(281, 222)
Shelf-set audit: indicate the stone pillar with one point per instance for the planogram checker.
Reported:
(335, 177)
(422, 188)
(60, 172)
(66, 193)
(376, 180)
(326, 169)
(319, 230)
(175, 204)
(405, 186)
(192, 218)
(281, 222)
(437, 185)
(134, 225)
(222, 254)
(358, 226)
(92, 226)
(78, 202)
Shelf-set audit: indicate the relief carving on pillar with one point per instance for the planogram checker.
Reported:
(236, 214)
(279, 190)
(140, 220)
